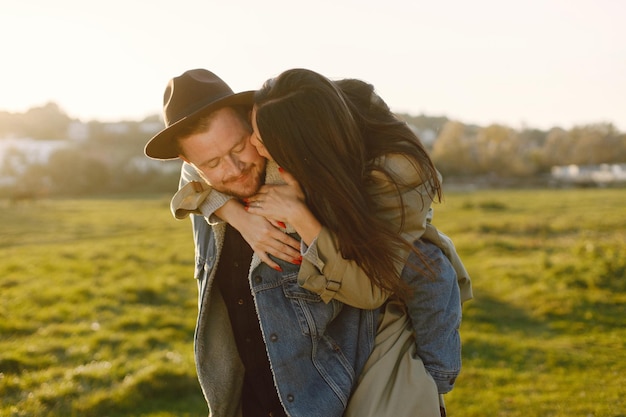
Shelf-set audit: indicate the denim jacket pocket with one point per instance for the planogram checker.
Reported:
(313, 314)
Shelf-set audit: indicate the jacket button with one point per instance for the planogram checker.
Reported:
(273, 337)
(290, 398)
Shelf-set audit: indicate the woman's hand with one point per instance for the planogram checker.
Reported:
(285, 203)
(263, 237)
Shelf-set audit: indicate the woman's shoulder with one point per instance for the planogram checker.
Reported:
(401, 166)
(272, 175)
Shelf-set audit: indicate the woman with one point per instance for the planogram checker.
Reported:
(368, 180)
(367, 186)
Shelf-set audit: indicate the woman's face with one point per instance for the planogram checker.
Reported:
(256, 140)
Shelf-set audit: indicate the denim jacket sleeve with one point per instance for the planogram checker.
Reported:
(435, 311)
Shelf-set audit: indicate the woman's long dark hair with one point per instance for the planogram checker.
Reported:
(329, 135)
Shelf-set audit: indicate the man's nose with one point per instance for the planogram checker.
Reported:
(234, 166)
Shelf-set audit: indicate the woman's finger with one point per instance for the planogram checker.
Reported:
(266, 259)
(285, 252)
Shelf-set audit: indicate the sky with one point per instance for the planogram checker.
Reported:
(532, 63)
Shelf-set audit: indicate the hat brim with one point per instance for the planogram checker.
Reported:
(163, 144)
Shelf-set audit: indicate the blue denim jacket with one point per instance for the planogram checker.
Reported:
(316, 350)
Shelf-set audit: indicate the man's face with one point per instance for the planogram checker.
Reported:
(224, 156)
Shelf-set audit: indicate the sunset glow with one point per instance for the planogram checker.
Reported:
(536, 63)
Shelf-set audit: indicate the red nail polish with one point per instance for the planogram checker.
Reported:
(245, 200)
(297, 261)
(281, 169)
(281, 224)
(278, 268)
(246, 208)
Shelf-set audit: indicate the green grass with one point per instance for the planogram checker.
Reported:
(97, 310)
(546, 332)
(98, 306)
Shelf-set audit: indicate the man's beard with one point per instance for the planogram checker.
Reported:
(243, 192)
(248, 189)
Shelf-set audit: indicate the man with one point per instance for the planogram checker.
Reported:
(263, 345)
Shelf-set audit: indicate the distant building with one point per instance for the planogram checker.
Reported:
(426, 136)
(144, 165)
(33, 151)
(78, 131)
(151, 127)
(589, 175)
(16, 155)
(118, 128)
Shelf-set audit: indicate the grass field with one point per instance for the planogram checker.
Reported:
(98, 305)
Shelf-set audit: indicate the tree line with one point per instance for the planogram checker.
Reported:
(503, 153)
(107, 160)
(111, 160)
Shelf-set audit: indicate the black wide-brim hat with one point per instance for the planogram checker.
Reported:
(188, 97)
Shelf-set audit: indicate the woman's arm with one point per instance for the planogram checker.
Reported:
(263, 237)
(355, 287)
(435, 305)
(196, 196)
(324, 270)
